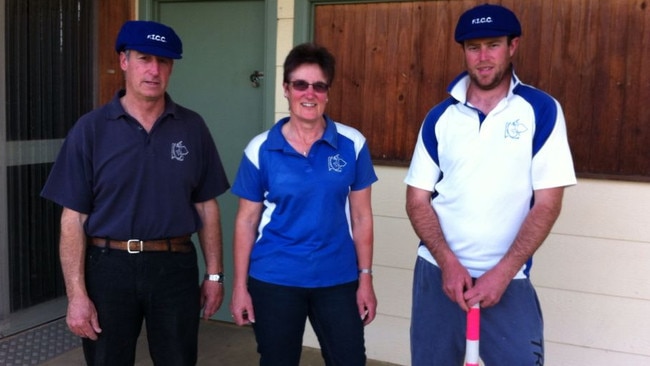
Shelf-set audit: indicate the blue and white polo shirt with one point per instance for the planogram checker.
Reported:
(482, 169)
(304, 236)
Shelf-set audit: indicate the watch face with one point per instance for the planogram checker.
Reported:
(214, 277)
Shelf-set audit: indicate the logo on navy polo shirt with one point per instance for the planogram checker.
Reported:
(335, 163)
(515, 129)
(179, 151)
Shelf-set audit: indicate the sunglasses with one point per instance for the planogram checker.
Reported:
(301, 85)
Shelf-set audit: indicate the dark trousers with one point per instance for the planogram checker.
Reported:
(159, 287)
(281, 313)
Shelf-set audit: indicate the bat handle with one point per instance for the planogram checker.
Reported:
(473, 332)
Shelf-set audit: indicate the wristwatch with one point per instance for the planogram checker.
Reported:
(214, 277)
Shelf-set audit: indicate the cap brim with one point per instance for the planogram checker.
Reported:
(482, 34)
(156, 51)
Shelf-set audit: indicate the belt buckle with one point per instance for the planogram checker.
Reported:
(136, 250)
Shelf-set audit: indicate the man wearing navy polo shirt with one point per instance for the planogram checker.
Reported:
(136, 178)
(485, 187)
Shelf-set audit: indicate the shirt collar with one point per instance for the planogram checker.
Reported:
(276, 141)
(458, 87)
(114, 109)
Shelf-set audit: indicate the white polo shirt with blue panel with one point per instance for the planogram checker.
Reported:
(482, 169)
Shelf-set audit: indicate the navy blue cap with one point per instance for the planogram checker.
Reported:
(150, 38)
(486, 21)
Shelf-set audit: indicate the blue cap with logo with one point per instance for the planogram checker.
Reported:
(149, 37)
(486, 21)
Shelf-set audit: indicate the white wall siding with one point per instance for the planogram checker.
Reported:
(566, 355)
(593, 276)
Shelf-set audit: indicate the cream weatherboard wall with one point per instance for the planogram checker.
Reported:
(592, 274)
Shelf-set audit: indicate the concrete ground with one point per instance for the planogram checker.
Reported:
(220, 343)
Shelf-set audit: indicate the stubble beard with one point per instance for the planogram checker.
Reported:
(487, 84)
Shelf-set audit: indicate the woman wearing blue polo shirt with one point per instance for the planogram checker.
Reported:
(304, 229)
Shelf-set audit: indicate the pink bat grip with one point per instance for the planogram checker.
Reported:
(473, 332)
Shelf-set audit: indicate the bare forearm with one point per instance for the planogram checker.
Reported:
(362, 232)
(363, 239)
(210, 236)
(246, 226)
(362, 226)
(534, 230)
(72, 252)
(426, 225)
(242, 247)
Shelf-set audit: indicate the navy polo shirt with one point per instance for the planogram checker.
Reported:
(133, 184)
(305, 235)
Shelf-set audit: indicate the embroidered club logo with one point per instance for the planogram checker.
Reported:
(157, 37)
(515, 129)
(482, 20)
(179, 151)
(335, 163)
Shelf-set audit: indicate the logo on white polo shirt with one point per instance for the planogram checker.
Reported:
(515, 129)
(335, 163)
(179, 151)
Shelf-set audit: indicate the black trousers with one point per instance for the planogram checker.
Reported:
(161, 288)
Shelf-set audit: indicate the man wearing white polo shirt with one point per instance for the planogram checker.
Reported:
(484, 188)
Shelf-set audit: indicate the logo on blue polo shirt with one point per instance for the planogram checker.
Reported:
(179, 151)
(335, 163)
(515, 129)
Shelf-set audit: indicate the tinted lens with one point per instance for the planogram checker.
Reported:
(319, 86)
(300, 85)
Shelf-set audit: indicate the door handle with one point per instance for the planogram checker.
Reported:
(255, 78)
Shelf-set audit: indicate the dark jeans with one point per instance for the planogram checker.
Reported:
(281, 313)
(160, 287)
